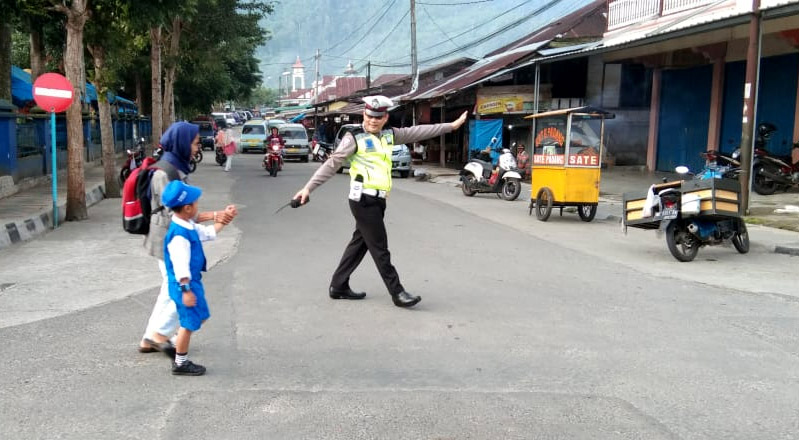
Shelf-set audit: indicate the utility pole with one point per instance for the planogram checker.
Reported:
(316, 77)
(750, 100)
(414, 67)
(368, 74)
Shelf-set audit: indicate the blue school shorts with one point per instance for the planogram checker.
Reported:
(191, 318)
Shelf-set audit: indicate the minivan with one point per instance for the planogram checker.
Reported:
(296, 137)
(253, 136)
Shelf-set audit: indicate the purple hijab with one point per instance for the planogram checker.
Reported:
(176, 142)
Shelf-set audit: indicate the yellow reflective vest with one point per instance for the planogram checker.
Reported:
(372, 158)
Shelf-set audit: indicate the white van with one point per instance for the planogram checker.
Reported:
(231, 121)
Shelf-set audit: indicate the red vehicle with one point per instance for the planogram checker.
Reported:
(273, 159)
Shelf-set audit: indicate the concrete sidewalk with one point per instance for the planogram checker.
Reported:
(618, 180)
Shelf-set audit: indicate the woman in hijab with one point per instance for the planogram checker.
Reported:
(180, 142)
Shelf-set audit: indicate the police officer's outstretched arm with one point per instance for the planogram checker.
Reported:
(328, 169)
(417, 133)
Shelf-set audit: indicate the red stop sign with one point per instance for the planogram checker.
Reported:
(52, 92)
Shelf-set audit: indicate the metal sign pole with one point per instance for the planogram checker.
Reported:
(55, 168)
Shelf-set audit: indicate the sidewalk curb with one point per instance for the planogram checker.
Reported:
(26, 229)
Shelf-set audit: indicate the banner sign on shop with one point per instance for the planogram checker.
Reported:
(498, 100)
(484, 133)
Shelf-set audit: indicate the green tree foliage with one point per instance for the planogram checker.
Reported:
(217, 57)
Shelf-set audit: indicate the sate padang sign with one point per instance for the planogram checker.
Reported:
(505, 99)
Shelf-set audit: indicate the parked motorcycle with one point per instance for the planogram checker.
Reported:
(692, 213)
(134, 160)
(476, 177)
(321, 151)
(273, 159)
(771, 173)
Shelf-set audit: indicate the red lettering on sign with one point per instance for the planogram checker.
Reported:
(550, 135)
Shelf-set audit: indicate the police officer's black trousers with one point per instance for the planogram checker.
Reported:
(370, 234)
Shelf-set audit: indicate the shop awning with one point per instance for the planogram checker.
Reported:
(21, 87)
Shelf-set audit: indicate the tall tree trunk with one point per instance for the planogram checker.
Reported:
(106, 131)
(139, 95)
(171, 72)
(155, 67)
(73, 61)
(5, 57)
(38, 63)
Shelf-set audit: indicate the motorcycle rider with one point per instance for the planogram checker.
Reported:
(275, 136)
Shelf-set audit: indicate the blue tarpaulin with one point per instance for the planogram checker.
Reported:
(298, 118)
(91, 93)
(21, 87)
(485, 132)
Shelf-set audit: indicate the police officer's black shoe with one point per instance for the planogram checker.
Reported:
(346, 294)
(405, 299)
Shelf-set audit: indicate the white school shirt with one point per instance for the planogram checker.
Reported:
(180, 248)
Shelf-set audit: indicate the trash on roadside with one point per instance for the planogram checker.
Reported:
(788, 209)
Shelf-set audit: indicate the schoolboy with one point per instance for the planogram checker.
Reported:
(185, 262)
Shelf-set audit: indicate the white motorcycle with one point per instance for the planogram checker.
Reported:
(476, 177)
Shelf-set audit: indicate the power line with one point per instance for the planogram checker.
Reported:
(474, 28)
(485, 38)
(366, 34)
(350, 35)
(380, 44)
(455, 4)
(441, 29)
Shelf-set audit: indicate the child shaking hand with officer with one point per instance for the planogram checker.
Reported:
(185, 262)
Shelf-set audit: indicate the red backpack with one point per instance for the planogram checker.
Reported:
(136, 209)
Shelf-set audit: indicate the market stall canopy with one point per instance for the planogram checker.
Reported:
(595, 112)
(21, 87)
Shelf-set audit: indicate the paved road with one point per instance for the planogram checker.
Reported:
(517, 336)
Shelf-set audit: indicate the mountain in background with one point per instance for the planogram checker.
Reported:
(379, 30)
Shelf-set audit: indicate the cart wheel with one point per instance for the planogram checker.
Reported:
(587, 212)
(741, 239)
(543, 204)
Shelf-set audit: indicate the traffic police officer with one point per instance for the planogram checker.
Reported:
(368, 149)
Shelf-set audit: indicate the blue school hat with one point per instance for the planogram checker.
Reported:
(178, 193)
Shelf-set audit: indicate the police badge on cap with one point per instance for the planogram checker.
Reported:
(376, 106)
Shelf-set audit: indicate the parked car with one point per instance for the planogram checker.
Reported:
(221, 123)
(401, 160)
(253, 136)
(346, 128)
(297, 142)
(207, 134)
(228, 117)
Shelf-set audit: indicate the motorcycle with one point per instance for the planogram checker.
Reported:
(273, 159)
(221, 157)
(774, 172)
(134, 160)
(692, 213)
(321, 151)
(476, 177)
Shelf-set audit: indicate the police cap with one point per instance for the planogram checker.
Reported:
(376, 106)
